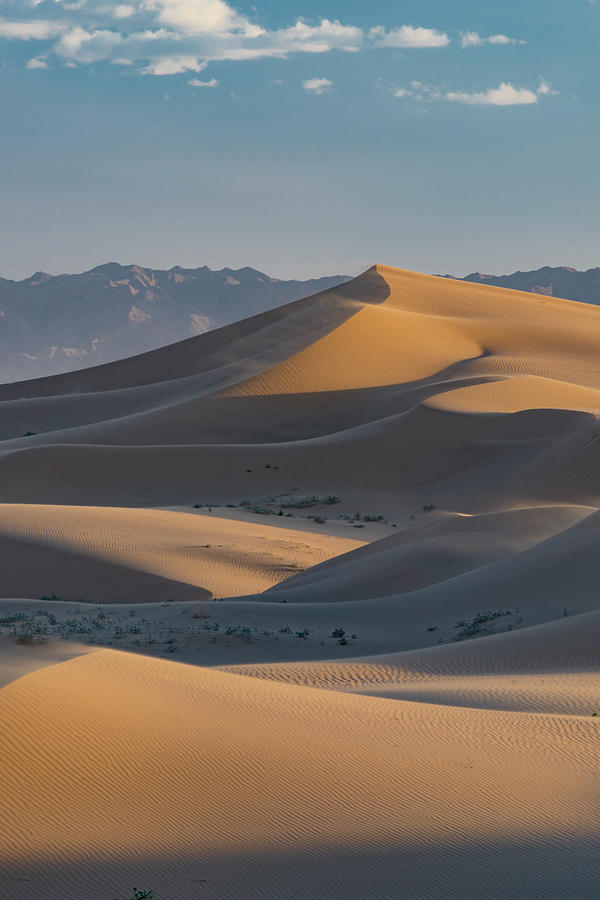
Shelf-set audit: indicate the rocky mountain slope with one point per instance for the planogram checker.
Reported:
(51, 324)
(553, 281)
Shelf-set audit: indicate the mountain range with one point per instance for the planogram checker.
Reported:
(552, 281)
(51, 324)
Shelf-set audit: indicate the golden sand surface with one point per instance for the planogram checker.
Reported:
(307, 607)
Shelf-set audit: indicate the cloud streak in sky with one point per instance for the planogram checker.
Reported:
(506, 94)
(473, 39)
(317, 85)
(170, 37)
(408, 36)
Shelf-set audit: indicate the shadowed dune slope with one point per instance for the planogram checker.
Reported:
(551, 668)
(236, 788)
(452, 751)
(393, 381)
(126, 555)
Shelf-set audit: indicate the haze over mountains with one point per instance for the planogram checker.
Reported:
(51, 324)
(557, 281)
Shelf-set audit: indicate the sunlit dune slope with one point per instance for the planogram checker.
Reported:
(393, 381)
(124, 555)
(429, 553)
(297, 323)
(552, 668)
(121, 770)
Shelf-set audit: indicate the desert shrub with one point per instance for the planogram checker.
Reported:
(319, 520)
(12, 618)
(285, 630)
(52, 596)
(310, 500)
(480, 624)
(338, 633)
(428, 507)
(141, 895)
(200, 611)
(303, 634)
(31, 633)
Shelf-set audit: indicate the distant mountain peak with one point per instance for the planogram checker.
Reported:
(53, 324)
(555, 281)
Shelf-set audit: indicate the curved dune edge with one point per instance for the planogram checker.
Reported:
(130, 758)
(123, 555)
(550, 668)
(465, 414)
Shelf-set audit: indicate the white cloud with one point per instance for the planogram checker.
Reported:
(34, 29)
(409, 36)
(167, 51)
(123, 11)
(473, 39)
(545, 89)
(318, 39)
(418, 91)
(201, 16)
(174, 65)
(195, 82)
(317, 85)
(36, 63)
(504, 95)
(500, 39)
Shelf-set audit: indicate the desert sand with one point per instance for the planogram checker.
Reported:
(307, 607)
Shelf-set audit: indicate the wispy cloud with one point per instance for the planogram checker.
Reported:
(36, 63)
(506, 94)
(166, 52)
(473, 39)
(317, 85)
(33, 29)
(409, 36)
(195, 82)
(545, 88)
(171, 37)
(123, 11)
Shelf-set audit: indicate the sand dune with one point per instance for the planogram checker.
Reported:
(125, 554)
(550, 668)
(243, 774)
(400, 711)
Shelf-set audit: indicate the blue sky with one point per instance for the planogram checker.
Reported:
(302, 138)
